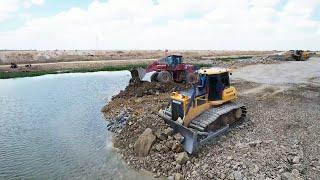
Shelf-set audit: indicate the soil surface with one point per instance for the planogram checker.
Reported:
(7, 57)
(278, 140)
(291, 72)
(64, 60)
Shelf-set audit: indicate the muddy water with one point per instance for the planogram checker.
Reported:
(51, 127)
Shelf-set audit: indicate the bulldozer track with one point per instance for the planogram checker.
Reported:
(207, 118)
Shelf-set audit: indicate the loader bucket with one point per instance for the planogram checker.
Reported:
(138, 74)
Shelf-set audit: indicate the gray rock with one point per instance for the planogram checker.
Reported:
(161, 135)
(158, 147)
(144, 143)
(237, 175)
(165, 149)
(182, 158)
(178, 176)
(178, 137)
(168, 131)
(170, 178)
(178, 167)
(295, 172)
(229, 158)
(158, 174)
(286, 176)
(254, 143)
(222, 176)
(230, 176)
(299, 167)
(278, 177)
(169, 144)
(177, 147)
(296, 160)
(261, 177)
(254, 170)
(295, 175)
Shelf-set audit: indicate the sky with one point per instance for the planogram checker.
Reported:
(160, 24)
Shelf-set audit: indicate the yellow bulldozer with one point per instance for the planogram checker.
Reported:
(296, 55)
(204, 111)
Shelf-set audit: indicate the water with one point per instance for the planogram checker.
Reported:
(51, 127)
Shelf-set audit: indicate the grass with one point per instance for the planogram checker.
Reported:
(200, 65)
(233, 58)
(17, 74)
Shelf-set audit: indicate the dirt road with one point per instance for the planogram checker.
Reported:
(291, 72)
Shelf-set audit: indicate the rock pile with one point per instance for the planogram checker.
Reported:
(118, 122)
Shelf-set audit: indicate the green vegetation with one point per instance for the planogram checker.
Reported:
(8, 75)
(201, 65)
(17, 74)
(233, 58)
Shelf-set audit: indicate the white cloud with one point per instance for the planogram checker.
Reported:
(8, 8)
(29, 3)
(178, 24)
(37, 2)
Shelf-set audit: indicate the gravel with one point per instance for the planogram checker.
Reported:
(278, 140)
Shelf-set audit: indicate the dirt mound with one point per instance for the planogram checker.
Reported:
(148, 88)
(135, 94)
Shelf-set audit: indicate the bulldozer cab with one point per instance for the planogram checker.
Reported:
(216, 81)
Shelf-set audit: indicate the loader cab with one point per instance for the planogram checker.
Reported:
(217, 80)
(172, 60)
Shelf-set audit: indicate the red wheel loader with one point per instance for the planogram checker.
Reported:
(167, 69)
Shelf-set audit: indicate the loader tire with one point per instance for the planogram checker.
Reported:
(164, 77)
(192, 78)
(154, 77)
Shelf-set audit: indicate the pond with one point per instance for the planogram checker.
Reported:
(51, 127)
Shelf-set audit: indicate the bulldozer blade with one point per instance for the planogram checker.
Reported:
(190, 143)
(193, 139)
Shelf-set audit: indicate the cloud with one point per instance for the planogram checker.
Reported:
(173, 24)
(29, 3)
(8, 8)
(37, 2)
